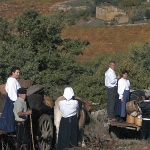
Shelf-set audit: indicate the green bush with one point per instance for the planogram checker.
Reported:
(137, 16)
(147, 13)
(38, 49)
(140, 65)
(130, 3)
(45, 58)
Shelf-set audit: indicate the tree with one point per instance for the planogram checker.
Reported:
(140, 65)
(43, 56)
(147, 13)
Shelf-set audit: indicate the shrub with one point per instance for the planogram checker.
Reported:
(38, 49)
(130, 3)
(138, 16)
(140, 65)
(147, 13)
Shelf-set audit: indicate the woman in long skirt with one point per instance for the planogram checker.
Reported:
(124, 92)
(7, 121)
(68, 129)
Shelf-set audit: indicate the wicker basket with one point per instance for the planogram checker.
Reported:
(130, 119)
(138, 121)
(131, 106)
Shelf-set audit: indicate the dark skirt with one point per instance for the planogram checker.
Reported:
(7, 120)
(123, 104)
(120, 107)
(67, 136)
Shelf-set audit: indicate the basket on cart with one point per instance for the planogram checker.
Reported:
(130, 119)
(138, 121)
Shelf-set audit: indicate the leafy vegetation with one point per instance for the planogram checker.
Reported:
(130, 3)
(34, 43)
(140, 65)
(147, 13)
(36, 46)
(137, 16)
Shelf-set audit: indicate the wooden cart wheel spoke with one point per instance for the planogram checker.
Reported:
(46, 125)
(44, 145)
(46, 129)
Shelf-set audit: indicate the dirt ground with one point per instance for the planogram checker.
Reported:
(98, 137)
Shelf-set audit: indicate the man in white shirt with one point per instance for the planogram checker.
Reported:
(111, 87)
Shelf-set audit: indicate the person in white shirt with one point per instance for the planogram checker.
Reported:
(68, 129)
(124, 92)
(7, 121)
(111, 87)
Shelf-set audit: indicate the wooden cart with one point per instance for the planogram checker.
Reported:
(42, 118)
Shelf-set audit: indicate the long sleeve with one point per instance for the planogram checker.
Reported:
(123, 84)
(110, 78)
(12, 86)
(121, 88)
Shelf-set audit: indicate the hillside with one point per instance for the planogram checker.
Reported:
(109, 38)
(37, 43)
(11, 8)
(112, 38)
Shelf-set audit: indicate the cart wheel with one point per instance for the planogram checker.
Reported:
(46, 130)
(7, 142)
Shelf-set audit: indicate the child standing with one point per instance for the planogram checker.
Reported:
(21, 112)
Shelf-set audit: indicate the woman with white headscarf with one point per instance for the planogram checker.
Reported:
(68, 129)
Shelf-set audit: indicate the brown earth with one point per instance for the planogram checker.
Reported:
(102, 39)
(97, 137)
(110, 38)
(13, 8)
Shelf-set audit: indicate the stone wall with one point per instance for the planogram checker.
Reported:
(121, 19)
(109, 13)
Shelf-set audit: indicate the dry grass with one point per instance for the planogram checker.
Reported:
(112, 38)
(15, 7)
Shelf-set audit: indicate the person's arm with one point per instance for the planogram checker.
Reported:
(11, 88)
(121, 88)
(128, 83)
(18, 109)
(29, 112)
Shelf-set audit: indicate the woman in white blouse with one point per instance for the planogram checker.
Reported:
(68, 128)
(7, 121)
(124, 92)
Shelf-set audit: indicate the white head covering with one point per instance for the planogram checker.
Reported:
(68, 93)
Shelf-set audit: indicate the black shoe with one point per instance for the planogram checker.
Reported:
(121, 120)
(117, 119)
